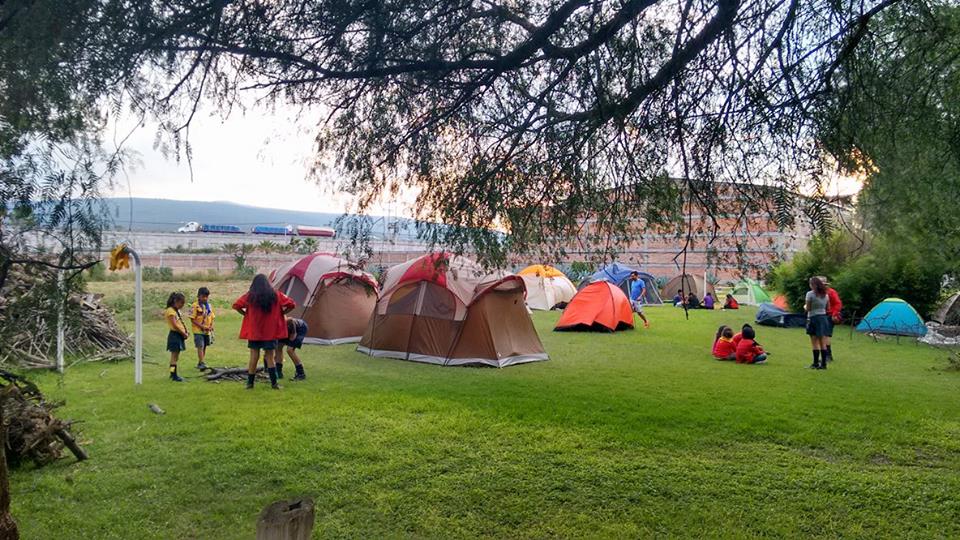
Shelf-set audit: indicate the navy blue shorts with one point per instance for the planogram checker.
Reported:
(266, 345)
(176, 342)
(296, 342)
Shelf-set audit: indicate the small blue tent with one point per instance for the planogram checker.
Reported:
(619, 274)
(893, 316)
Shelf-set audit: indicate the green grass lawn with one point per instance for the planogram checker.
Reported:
(634, 434)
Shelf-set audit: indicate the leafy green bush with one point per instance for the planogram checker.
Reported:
(863, 273)
(887, 271)
(825, 256)
(244, 272)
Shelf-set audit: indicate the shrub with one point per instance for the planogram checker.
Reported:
(825, 255)
(153, 273)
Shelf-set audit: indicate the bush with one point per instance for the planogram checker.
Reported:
(885, 272)
(152, 273)
(825, 256)
(863, 273)
(245, 272)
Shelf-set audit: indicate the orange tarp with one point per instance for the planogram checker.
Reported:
(600, 305)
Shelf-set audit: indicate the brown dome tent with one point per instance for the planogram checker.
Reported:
(333, 296)
(689, 284)
(444, 309)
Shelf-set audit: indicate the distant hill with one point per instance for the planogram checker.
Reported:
(164, 215)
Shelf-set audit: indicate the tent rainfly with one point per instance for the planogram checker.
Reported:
(895, 317)
(546, 286)
(333, 296)
(749, 292)
(445, 309)
(600, 306)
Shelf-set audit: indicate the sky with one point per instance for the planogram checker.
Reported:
(258, 157)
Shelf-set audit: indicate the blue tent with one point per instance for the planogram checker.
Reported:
(893, 316)
(619, 274)
(770, 315)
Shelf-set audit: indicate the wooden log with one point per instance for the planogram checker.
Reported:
(287, 520)
(71, 443)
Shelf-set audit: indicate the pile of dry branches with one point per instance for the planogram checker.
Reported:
(232, 374)
(33, 433)
(28, 316)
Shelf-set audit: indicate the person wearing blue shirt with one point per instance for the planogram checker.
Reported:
(638, 291)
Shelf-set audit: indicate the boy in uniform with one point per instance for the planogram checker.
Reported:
(201, 319)
(296, 332)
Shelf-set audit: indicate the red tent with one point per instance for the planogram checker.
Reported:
(600, 305)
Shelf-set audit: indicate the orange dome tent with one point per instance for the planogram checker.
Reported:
(601, 306)
(781, 302)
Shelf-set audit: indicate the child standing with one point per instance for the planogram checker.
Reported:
(177, 336)
(296, 332)
(263, 310)
(723, 346)
(201, 318)
(748, 350)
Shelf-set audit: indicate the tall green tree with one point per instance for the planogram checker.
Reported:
(895, 120)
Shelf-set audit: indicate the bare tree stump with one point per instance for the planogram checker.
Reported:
(286, 520)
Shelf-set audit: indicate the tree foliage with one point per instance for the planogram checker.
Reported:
(896, 120)
(527, 116)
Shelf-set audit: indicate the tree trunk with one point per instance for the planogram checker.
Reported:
(286, 520)
(8, 527)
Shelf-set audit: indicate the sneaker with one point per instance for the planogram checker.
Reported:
(275, 386)
(201, 366)
(300, 377)
(249, 386)
(758, 362)
(176, 378)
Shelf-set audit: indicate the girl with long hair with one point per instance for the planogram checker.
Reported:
(177, 336)
(263, 310)
(816, 304)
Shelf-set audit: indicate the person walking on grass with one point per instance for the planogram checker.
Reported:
(833, 312)
(201, 319)
(177, 336)
(638, 292)
(263, 310)
(816, 304)
(296, 332)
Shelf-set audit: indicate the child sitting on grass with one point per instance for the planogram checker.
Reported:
(748, 350)
(296, 332)
(201, 319)
(177, 336)
(723, 346)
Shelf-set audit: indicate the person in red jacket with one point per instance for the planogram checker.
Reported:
(731, 303)
(834, 306)
(723, 347)
(739, 335)
(263, 311)
(748, 350)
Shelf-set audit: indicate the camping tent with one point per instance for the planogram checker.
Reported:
(445, 309)
(546, 286)
(772, 315)
(601, 305)
(893, 316)
(749, 292)
(619, 275)
(948, 313)
(780, 301)
(689, 284)
(334, 297)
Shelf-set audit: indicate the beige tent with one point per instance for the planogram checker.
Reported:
(546, 286)
(444, 309)
(949, 312)
(689, 284)
(334, 297)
